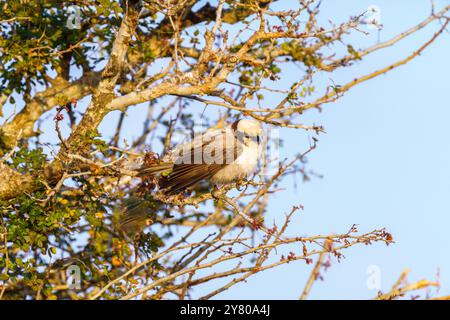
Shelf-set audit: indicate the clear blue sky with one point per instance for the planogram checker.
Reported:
(386, 163)
(385, 160)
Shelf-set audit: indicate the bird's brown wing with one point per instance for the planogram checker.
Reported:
(187, 175)
(188, 172)
(155, 169)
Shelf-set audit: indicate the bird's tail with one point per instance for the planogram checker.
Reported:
(155, 169)
(136, 211)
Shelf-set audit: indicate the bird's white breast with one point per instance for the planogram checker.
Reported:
(241, 167)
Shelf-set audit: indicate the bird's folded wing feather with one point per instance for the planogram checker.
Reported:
(202, 158)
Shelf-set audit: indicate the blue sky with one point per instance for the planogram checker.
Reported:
(384, 159)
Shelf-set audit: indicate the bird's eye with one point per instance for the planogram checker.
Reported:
(247, 136)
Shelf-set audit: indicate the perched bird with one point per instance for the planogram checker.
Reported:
(221, 156)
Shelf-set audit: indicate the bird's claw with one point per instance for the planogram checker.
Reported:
(215, 192)
(241, 183)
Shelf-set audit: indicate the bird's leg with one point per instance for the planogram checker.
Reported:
(216, 192)
(241, 183)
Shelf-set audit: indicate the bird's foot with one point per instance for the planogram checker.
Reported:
(216, 192)
(240, 183)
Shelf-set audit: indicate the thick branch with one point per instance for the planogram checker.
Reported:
(42, 102)
(13, 183)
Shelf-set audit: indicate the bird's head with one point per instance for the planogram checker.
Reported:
(250, 131)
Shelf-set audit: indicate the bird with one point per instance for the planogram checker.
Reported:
(221, 156)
